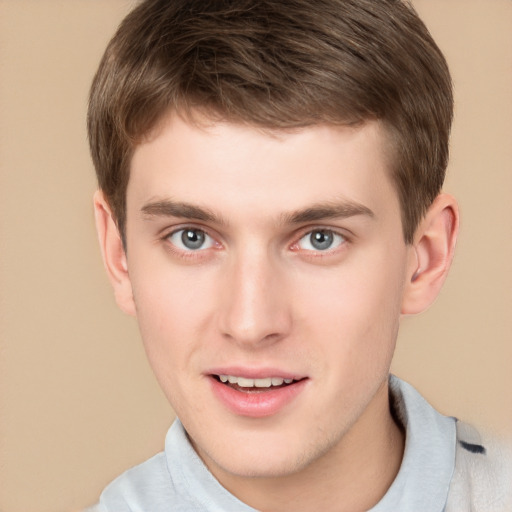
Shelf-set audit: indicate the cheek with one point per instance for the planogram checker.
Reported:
(356, 308)
(171, 310)
(169, 298)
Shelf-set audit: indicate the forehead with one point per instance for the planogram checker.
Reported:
(228, 166)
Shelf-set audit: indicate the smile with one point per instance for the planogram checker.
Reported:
(244, 382)
(256, 397)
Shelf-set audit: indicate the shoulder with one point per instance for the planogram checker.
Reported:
(151, 475)
(123, 494)
(482, 480)
(148, 486)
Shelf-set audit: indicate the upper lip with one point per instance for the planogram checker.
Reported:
(255, 373)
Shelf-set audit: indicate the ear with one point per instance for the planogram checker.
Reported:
(431, 254)
(113, 253)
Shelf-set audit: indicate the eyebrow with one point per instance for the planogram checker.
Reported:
(169, 208)
(316, 212)
(329, 210)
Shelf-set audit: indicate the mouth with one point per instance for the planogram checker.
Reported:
(249, 385)
(257, 396)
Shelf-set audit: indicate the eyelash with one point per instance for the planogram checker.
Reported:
(185, 253)
(343, 239)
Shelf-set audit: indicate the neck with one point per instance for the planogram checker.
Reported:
(354, 475)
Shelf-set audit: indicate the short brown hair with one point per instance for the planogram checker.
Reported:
(278, 64)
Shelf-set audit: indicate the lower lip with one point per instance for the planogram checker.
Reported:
(256, 404)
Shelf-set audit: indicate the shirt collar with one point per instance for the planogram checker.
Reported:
(427, 467)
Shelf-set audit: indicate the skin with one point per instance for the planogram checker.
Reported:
(259, 294)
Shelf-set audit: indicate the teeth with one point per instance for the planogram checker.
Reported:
(263, 383)
(251, 383)
(245, 383)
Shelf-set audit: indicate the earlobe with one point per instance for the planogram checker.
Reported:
(113, 253)
(431, 254)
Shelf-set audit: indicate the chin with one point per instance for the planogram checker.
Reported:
(268, 458)
(263, 467)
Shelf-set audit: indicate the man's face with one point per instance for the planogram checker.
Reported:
(263, 258)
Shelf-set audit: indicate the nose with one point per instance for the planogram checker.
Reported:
(255, 309)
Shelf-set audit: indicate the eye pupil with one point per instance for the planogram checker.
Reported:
(321, 240)
(192, 238)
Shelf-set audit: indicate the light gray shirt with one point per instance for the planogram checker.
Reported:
(176, 480)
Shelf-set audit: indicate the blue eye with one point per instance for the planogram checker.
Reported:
(321, 240)
(191, 239)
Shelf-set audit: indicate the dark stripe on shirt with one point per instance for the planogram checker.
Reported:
(473, 448)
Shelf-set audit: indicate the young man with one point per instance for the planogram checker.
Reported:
(270, 204)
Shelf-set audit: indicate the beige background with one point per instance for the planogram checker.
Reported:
(78, 402)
